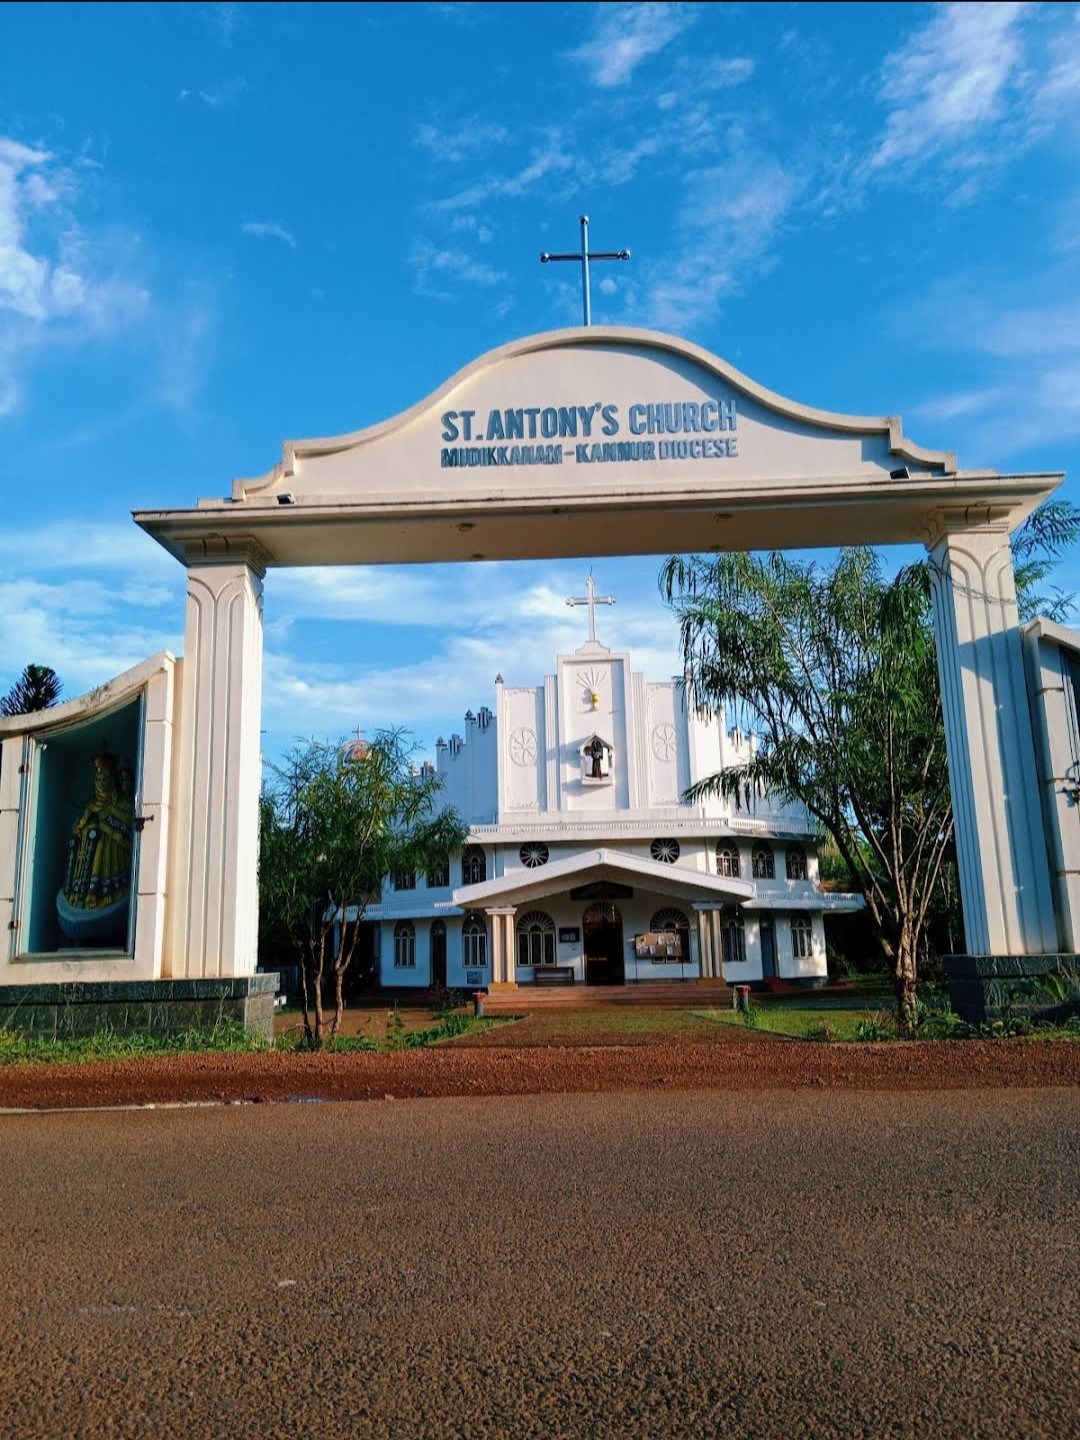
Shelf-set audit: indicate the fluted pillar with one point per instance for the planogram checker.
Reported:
(717, 944)
(213, 891)
(503, 969)
(703, 946)
(1000, 843)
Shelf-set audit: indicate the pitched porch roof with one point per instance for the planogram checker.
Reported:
(522, 885)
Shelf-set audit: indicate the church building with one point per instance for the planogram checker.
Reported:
(585, 864)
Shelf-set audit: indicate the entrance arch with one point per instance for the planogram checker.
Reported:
(602, 932)
(601, 441)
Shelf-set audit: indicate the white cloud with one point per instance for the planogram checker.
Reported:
(92, 599)
(436, 267)
(951, 80)
(226, 16)
(270, 230)
(56, 287)
(464, 141)
(88, 631)
(547, 159)
(219, 96)
(83, 545)
(490, 619)
(624, 35)
(1024, 351)
(729, 219)
(962, 405)
(473, 225)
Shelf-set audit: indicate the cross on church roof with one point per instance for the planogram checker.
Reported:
(591, 600)
(585, 256)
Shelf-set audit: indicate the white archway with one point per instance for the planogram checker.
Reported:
(602, 441)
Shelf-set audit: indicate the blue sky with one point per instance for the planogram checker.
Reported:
(226, 225)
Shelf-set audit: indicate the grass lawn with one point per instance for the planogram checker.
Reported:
(615, 1026)
(802, 1020)
(411, 1030)
(227, 1036)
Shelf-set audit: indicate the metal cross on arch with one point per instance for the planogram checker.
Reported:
(585, 256)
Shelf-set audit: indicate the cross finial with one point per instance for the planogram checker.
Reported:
(591, 600)
(585, 256)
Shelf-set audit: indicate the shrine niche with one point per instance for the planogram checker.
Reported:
(81, 836)
(597, 761)
(84, 790)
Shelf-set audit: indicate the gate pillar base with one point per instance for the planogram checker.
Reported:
(987, 987)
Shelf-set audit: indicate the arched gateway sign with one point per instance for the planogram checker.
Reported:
(588, 442)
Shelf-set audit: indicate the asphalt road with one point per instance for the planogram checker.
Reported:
(653, 1265)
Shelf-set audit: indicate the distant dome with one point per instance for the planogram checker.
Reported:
(355, 750)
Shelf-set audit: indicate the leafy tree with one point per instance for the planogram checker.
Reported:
(837, 670)
(37, 688)
(335, 820)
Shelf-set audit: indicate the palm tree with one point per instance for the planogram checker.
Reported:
(37, 688)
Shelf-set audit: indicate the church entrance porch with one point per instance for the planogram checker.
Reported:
(602, 931)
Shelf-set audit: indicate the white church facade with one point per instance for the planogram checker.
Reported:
(584, 864)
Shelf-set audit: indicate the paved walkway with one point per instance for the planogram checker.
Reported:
(656, 1265)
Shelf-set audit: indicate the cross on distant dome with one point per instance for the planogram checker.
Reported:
(585, 256)
(591, 600)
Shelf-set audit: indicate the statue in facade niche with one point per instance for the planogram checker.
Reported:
(595, 751)
(92, 905)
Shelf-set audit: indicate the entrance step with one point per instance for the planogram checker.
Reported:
(690, 995)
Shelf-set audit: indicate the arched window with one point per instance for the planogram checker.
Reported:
(802, 938)
(473, 865)
(672, 922)
(733, 936)
(536, 939)
(438, 877)
(404, 945)
(727, 858)
(796, 863)
(474, 943)
(763, 865)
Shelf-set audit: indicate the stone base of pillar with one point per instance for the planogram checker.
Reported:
(503, 985)
(139, 1007)
(987, 987)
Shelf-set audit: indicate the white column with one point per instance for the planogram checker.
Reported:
(503, 971)
(214, 903)
(716, 944)
(496, 947)
(1001, 848)
(510, 961)
(703, 945)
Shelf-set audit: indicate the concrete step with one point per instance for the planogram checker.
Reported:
(692, 995)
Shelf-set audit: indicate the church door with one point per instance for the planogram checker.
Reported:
(768, 950)
(438, 953)
(602, 929)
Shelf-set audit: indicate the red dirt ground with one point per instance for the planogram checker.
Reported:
(740, 1062)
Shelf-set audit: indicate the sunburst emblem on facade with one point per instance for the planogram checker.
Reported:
(533, 855)
(665, 851)
(664, 742)
(522, 747)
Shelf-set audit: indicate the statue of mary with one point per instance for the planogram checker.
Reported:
(92, 905)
